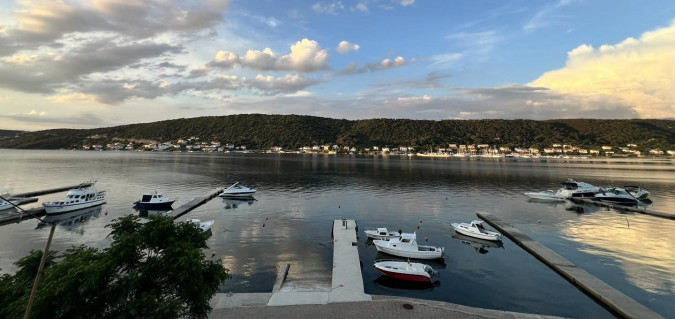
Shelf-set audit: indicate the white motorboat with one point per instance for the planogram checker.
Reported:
(238, 191)
(406, 270)
(616, 196)
(637, 192)
(477, 230)
(154, 200)
(204, 225)
(78, 198)
(7, 202)
(574, 189)
(381, 233)
(406, 246)
(548, 196)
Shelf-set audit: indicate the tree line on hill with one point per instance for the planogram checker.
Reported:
(293, 131)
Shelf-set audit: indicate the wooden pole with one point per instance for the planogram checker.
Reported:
(39, 273)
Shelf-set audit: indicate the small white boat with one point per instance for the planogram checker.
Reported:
(204, 225)
(548, 195)
(154, 200)
(78, 198)
(238, 191)
(477, 230)
(406, 270)
(7, 202)
(616, 196)
(381, 233)
(406, 246)
(637, 191)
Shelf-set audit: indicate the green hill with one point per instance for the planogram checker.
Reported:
(293, 131)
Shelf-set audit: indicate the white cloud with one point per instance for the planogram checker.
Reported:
(332, 8)
(384, 64)
(639, 72)
(306, 56)
(406, 3)
(360, 7)
(346, 46)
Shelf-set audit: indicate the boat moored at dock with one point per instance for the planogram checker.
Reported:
(77, 198)
(477, 230)
(237, 190)
(154, 201)
(406, 270)
(381, 233)
(406, 246)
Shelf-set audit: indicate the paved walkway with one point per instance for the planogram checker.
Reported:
(384, 307)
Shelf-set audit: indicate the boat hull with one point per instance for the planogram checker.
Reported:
(154, 206)
(419, 254)
(618, 200)
(490, 237)
(405, 277)
(544, 196)
(237, 195)
(65, 208)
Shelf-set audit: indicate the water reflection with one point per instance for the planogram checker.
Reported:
(72, 221)
(643, 249)
(479, 245)
(394, 284)
(147, 213)
(231, 203)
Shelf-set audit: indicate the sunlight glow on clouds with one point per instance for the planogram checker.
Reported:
(640, 72)
(346, 46)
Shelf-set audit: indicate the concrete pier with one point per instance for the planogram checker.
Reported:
(603, 293)
(194, 203)
(642, 210)
(346, 281)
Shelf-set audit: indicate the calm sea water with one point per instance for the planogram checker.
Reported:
(300, 195)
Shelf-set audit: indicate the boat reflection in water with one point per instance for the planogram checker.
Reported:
(392, 283)
(236, 202)
(147, 213)
(73, 219)
(479, 245)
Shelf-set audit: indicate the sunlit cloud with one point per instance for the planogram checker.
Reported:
(332, 8)
(306, 56)
(640, 72)
(346, 46)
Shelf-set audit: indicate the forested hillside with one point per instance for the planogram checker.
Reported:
(292, 131)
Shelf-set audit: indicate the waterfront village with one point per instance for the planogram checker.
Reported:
(193, 144)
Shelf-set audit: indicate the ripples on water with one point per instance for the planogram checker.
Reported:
(299, 197)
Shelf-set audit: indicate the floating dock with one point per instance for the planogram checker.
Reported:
(51, 191)
(624, 208)
(603, 293)
(194, 203)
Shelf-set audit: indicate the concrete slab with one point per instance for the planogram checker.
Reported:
(347, 281)
(229, 300)
(299, 298)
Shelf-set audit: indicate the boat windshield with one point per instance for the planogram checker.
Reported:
(146, 198)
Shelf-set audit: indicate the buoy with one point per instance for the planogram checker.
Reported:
(418, 226)
(338, 206)
(213, 254)
(426, 238)
(106, 213)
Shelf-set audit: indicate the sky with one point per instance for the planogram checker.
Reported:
(86, 64)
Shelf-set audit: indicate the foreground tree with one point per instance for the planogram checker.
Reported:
(152, 270)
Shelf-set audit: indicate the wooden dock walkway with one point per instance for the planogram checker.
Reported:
(50, 191)
(194, 203)
(624, 208)
(603, 293)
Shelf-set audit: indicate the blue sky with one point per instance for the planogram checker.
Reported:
(82, 64)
